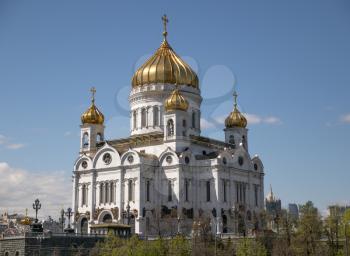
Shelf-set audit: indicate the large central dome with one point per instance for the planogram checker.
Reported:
(165, 67)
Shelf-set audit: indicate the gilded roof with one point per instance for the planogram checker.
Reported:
(176, 102)
(92, 115)
(235, 118)
(165, 67)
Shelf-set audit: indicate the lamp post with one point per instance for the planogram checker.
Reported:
(36, 207)
(69, 214)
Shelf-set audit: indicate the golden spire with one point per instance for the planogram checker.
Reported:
(26, 220)
(235, 118)
(176, 101)
(165, 21)
(92, 115)
(165, 67)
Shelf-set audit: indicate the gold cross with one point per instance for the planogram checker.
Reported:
(235, 96)
(93, 91)
(165, 21)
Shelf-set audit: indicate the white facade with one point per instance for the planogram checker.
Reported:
(170, 178)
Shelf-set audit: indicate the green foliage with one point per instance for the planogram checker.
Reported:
(250, 247)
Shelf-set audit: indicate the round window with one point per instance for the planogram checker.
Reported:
(240, 160)
(169, 159)
(107, 158)
(187, 160)
(84, 164)
(255, 167)
(224, 160)
(130, 159)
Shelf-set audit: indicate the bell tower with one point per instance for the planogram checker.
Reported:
(176, 120)
(235, 127)
(92, 128)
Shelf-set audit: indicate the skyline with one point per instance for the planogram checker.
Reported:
(288, 62)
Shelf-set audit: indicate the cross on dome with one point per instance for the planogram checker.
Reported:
(93, 92)
(165, 21)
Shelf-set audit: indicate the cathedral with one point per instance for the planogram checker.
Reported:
(166, 178)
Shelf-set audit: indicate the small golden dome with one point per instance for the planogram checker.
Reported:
(26, 220)
(176, 102)
(92, 115)
(165, 67)
(235, 118)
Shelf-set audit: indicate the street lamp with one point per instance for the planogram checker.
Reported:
(36, 226)
(36, 207)
(69, 214)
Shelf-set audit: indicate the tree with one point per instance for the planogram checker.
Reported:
(250, 247)
(332, 229)
(309, 231)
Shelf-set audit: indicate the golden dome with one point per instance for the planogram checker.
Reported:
(176, 102)
(236, 118)
(92, 115)
(165, 67)
(26, 220)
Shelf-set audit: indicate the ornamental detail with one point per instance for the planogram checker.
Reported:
(115, 212)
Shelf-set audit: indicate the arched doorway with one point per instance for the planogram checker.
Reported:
(107, 218)
(84, 226)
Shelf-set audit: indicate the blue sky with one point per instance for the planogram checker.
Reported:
(289, 61)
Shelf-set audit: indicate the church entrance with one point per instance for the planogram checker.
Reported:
(84, 226)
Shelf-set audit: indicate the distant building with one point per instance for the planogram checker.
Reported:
(339, 210)
(293, 210)
(273, 209)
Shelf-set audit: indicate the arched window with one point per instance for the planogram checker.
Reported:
(130, 191)
(111, 197)
(85, 140)
(208, 191)
(244, 141)
(106, 193)
(232, 140)
(134, 122)
(193, 119)
(143, 117)
(107, 218)
(84, 194)
(101, 193)
(99, 137)
(184, 124)
(170, 127)
(170, 191)
(155, 116)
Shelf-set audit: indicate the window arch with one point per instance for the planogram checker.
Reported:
(170, 127)
(232, 139)
(85, 140)
(143, 117)
(99, 137)
(134, 122)
(101, 193)
(155, 116)
(84, 194)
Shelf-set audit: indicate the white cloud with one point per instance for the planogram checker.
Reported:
(345, 118)
(205, 124)
(6, 142)
(19, 188)
(15, 146)
(255, 119)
